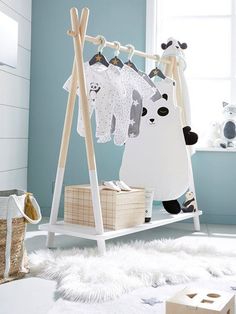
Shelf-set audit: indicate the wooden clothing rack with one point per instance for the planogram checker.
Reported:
(78, 33)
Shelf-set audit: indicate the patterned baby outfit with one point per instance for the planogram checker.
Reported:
(137, 106)
(131, 81)
(104, 89)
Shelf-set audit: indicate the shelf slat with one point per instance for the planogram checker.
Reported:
(161, 218)
(215, 149)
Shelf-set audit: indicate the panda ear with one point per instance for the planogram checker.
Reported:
(165, 96)
(163, 46)
(183, 46)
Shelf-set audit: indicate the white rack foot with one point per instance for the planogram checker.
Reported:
(50, 240)
(196, 222)
(101, 246)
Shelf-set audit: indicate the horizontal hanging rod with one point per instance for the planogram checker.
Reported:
(109, 44)
(97, 41)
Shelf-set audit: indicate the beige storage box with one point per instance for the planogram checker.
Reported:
(119, 209)
(201, 301)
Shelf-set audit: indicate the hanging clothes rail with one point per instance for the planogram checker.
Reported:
(78, 33)
(112, 45)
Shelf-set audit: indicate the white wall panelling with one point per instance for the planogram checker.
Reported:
(23, 64)
(24, 25)
(13, 122)
(23, 7)
(13, 179)
(13, 154)
(14, 90)
(14, 101)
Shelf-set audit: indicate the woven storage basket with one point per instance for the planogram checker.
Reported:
(13, 258)
(119, 209)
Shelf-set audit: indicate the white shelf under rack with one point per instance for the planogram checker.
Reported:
(161, 218)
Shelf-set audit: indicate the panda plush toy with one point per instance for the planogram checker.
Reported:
(158, 157)
(190, 203)
(175, 48)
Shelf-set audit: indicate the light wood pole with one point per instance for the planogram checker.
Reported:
(172, 71)
(78, 49)
(81, 28)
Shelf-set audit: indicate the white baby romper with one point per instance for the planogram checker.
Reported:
(158, 158)
(104, 88)
(131, 81)
(137, 106)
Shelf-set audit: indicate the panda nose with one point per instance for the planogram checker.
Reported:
(152, 120)
(177, 47)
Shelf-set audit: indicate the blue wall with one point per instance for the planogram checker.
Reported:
(215, 177)
(52, 55)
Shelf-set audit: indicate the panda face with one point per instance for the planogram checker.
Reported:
(94, 86)
(154, 111)
(173, 44)
(189, 195)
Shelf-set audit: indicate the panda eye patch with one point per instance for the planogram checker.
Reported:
(169, 44)
(144, 112)
(163, 111)
(165, 96)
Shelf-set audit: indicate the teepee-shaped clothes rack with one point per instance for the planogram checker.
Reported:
(78, 33)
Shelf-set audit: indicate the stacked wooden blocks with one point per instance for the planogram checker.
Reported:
(119, 209)
(201, 301)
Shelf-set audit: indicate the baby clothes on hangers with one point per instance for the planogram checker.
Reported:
(131, 81)
(104, 87)
(137, 106)
(166, 86)
(147, 78)
(135, 114)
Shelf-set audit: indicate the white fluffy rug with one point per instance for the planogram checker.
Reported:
(82, 275)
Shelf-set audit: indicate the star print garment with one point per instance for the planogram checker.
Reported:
(131, 81)
(135, 114)
(137, 106)
(104, 87)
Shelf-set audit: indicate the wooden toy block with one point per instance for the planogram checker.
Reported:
(201, 301)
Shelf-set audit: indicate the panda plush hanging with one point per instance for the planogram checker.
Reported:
(158, 157)
(175, 48)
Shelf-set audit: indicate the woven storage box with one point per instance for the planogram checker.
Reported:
(13, 257)
(119, 209)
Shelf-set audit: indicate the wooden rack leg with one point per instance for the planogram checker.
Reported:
(179, 93)
(179, 96)
(176, 76)
(87, 127)
(66, 136)
(196, 219)
(101, 244)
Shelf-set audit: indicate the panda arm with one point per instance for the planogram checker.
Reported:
(187, 203)
(190, 137)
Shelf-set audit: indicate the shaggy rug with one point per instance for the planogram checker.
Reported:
(84, 276)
